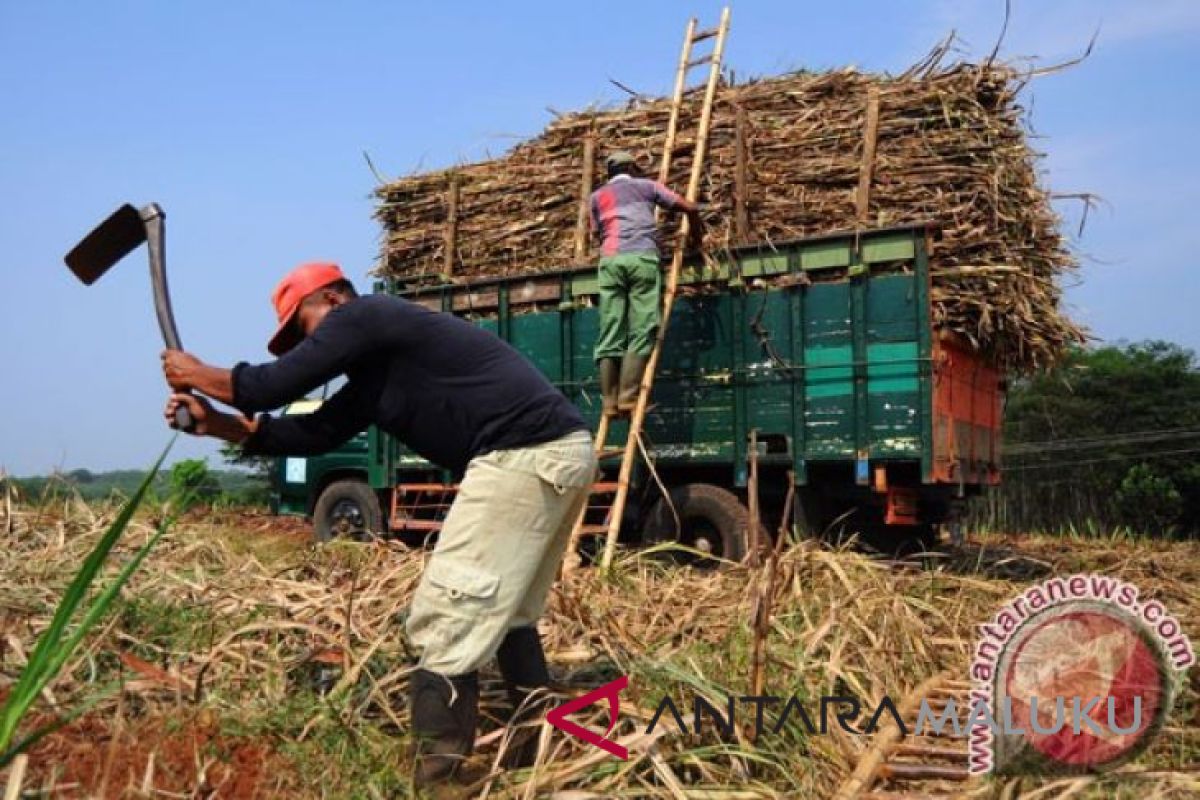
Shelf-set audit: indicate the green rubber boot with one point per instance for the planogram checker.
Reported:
(632, 367)
(610, 379)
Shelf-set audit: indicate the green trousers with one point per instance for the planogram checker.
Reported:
(630, 285)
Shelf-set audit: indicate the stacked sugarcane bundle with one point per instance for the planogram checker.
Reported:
(791, 156)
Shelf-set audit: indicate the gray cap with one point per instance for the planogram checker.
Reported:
(618, 158)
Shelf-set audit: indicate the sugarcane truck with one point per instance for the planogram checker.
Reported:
(816, 359)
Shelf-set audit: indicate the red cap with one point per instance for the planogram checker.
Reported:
(291, 291)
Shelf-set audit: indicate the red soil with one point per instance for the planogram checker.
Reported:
(94, 758)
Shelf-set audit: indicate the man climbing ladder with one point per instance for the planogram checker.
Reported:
(622, 213)
(638, 381)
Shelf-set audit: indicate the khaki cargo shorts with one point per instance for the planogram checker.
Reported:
(499, 551)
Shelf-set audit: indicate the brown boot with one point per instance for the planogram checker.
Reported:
(610, 378)
(632, 367)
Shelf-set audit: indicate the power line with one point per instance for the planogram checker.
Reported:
(1111, 440)
(1130, 457)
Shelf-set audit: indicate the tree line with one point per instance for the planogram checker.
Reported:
(193, 478)
(1108, 441)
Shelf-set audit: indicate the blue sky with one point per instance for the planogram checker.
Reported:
(248, 123)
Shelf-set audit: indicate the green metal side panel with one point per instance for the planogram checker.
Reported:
(828, 431)
(768, 369)
(766, 264)
(378, 459)
(824, 255)
(584, 390)
(924, 334)
(829, 372)
(893, 374)
(694, 402)
(741, 428)
(900, 246)
(798, 381)
(864, 398)
(538, 338)
(858, 344)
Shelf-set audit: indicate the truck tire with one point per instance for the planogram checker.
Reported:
(711, 520)
(347, 509)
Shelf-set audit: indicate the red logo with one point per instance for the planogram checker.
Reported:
(1110, 670)
(609, 691)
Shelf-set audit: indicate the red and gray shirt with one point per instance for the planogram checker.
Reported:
(623, 212)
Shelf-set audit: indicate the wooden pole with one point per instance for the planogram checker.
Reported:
(664, 167)
(710, 92)
(741, 217)
(582, 238)
(866, 170)
(765, 594)
(870, 762)
(582, 224)
(451, 254)
(752, 500)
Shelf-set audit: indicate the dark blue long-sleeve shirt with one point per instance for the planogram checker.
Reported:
(446, 388)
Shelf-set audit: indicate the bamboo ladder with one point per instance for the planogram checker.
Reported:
(620, 490)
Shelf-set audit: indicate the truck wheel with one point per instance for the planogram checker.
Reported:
(711, 520)
(347, 509)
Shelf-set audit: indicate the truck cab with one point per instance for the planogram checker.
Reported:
(331, 489)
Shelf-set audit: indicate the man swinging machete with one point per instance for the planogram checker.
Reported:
(466, 401)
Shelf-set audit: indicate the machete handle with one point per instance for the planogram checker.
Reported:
(154, 219)
(183, 419)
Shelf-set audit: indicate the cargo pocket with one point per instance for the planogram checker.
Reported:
(461, 582)
(450, 610)
(563, 472)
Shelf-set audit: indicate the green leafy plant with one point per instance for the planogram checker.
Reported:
(254, 472)
(192, 482)
(57, 643)
(1148, 500)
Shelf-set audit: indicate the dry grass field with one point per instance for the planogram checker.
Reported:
(244, 661)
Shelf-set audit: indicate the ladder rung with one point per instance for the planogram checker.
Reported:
(698, 61)
(418, 525)
(902, 771)
(944, 753)
(593, 530)
(611, 452)
(604, 487)
(706, 34)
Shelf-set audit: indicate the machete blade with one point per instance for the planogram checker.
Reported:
(107, 244)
